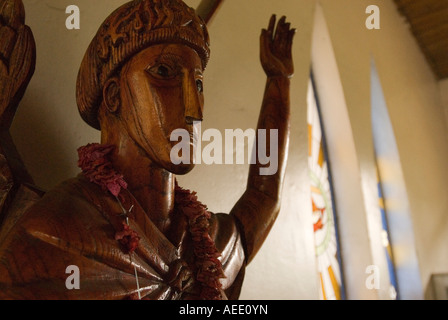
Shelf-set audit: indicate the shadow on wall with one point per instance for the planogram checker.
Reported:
(437, 288)
(40, 141)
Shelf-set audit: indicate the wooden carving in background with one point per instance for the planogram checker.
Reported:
(207, 9)
(17, 62)
(140, 79)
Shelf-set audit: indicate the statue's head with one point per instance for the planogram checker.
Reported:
(144, 69)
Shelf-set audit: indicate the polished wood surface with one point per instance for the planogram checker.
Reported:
(259, 206)
(147, 90)
(17, 63)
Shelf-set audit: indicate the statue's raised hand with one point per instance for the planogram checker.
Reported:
(276, 48)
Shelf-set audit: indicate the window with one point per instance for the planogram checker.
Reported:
(386, 242)
(404, 274)
(324, 218)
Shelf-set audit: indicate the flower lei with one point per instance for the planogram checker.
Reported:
(94, 160)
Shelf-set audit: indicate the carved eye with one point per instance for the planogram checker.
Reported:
(199, 85)
(162, 71)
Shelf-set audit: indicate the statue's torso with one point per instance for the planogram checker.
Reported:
(72, 226)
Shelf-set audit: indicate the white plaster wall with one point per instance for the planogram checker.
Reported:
(443, 85)
(234, 86)
(415, 109)
(48, 130)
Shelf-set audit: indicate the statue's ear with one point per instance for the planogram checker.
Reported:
(111, 95)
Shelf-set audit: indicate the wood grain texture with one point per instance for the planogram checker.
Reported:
(428, 20)
(17, 63)
(140, 80)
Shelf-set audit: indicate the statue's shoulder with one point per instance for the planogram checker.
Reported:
(71, 200)
(66, 227)
(224, 228)
(225, 231)
(61, 229)
(64, 213)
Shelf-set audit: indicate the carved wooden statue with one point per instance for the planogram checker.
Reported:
(124, 222)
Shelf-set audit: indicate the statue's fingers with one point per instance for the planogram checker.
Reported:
(263, 39)
(272, 24)
(282, 29)
(282, 36)
(282, 25)
(282, 21)
(291, 34)
(285, 33)
(279, 31)
(264, 44)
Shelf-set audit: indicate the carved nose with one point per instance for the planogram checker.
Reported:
(191, 120)
(192, 102)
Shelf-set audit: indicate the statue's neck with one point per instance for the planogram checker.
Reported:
(151, 185)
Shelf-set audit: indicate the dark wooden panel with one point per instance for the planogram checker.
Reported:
(429, 24)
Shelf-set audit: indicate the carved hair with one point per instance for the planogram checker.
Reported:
(130, 29)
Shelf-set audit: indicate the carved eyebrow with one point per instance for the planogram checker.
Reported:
(168, 57)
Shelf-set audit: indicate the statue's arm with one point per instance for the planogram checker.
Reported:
(259, 206)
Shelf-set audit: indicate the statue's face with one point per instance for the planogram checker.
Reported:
(161, 91)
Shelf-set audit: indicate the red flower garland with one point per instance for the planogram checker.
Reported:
(96, 166)
(128, 238)
(209, 268)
